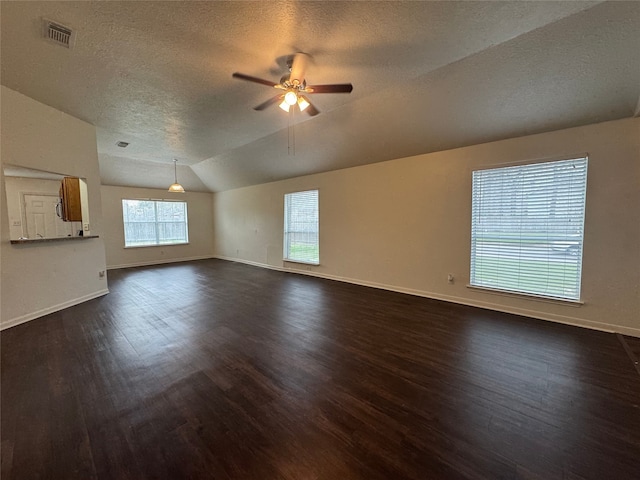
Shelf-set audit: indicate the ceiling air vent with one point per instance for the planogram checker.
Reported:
(59, 34)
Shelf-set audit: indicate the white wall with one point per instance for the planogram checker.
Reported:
(404, 224)
(41, 278)
(200, 212)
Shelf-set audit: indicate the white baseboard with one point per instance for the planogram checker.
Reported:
(567, 320)
(54, 308)
(630, 332)
(158, 262)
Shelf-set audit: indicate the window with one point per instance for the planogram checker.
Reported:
(154, 222)
(301, 228)
(526, 228)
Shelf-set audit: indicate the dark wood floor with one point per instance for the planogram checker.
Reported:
(218, 370)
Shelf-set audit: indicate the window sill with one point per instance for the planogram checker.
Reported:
(528, 296)
(287, 260)
(156, 245)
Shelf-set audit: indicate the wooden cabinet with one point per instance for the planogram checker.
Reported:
(70, 210)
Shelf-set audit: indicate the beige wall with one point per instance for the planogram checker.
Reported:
(404, 224)
(41, 278)
(401, 225)
(199, 209)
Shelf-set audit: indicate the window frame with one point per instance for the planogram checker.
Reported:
(574, 299)
(286, 254)
(156, 222)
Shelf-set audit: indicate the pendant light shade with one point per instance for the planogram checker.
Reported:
(176, 187)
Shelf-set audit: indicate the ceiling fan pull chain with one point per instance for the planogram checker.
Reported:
(293, 129)
(291, 134)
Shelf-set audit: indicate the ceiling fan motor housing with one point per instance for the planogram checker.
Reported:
(287, 83)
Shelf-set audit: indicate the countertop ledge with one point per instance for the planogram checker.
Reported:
(24, 241)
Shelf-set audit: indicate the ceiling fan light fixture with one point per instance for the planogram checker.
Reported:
(176, 187)
(285, 106)
(302, 103)
(291, 97)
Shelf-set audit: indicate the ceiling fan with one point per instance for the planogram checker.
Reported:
(294, 86)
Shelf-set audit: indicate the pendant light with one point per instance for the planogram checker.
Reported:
(176, 187)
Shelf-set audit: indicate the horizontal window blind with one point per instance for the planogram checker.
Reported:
(154, 222)
(301, 227)
(527, 228)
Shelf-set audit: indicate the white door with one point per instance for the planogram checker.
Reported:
(41, 218)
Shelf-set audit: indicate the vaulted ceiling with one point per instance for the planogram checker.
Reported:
(427, 76)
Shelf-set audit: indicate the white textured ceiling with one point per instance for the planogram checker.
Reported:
(427, 76)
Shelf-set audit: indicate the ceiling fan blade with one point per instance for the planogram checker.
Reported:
(299, 67)
(249, 78)
(269, 102)
(338, 88)
(311, 110)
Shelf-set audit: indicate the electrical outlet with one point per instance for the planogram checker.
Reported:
(16, 223)
(86, 227)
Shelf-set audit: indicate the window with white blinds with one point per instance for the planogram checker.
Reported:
(154, 222)
(527, 226)
(301, 227)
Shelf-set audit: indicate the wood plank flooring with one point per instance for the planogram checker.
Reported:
(217, 370)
